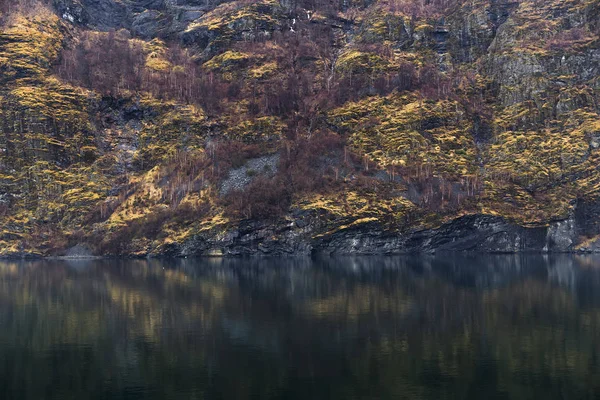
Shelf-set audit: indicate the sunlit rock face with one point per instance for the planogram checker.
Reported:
(389, 126)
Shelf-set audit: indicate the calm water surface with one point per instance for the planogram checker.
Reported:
(494, 327)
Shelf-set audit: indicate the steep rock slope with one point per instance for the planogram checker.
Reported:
(148, 127)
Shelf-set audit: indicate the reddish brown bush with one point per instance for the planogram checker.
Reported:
(264, 198)
(307, 165)
(566, 39)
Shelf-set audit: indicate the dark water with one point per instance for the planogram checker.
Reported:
(518, 327)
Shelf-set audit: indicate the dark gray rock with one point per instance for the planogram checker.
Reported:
(301, 235)
(475, 233)
(101, 14)
(150, 24)
(144, 18)
(241, 177)
(80, 251)
(250, 238)
(187, 16)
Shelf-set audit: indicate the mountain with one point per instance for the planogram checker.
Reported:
(188, 127)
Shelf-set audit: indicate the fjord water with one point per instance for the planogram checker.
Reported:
(443, 327)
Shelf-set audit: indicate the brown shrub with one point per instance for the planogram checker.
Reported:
(566, 39)
(264, 198)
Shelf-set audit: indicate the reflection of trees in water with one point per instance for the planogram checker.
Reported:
(541, 332)
(401, 327)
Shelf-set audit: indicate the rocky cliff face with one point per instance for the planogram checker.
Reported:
(473, 233)
(183, 127)
(148, 18)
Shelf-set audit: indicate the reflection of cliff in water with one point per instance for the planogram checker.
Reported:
(405, 322)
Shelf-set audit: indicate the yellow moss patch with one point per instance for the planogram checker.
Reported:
(351, 209)
(230, 20)
(226, 61)
(354, 61)
(263, 71)
(258, 130)
(29, 45)
(156, 56)
(401, 130)
(175, 128)
(536, 175)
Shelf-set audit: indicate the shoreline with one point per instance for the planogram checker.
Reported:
(475, 234)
